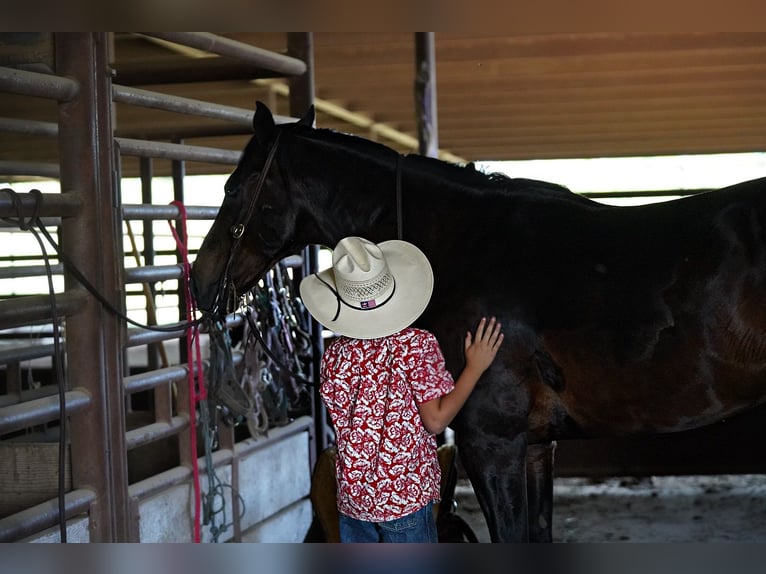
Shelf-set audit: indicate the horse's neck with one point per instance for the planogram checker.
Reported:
(363, 205)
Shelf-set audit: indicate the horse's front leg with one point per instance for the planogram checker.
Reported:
(491, 434)
(540, 491)
(496, 466)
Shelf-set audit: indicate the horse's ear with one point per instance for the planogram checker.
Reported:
(308, 119)
(263, 121)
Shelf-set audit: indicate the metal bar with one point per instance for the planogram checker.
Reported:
(180, 70)
(137, 337)
(276, 434)
(153, 379)
(178, 475)
(165, 212)
(39, 411)
(44, 515)
(18, 271)
(153, 273)
(20, 311)
(93, 241)
(16, 397)
(160, 482)
(192, 130)
(46, 221)
(29, 168)
(24, 83)
(156, 100)
(156, 354)
(425, 94)
(155, 431)
(29, 127)
(222, 46)
(178, 171)
(301, 46)
(293, 261)
(166, 150)
(51, 204)
(26, 351)
(166, 376)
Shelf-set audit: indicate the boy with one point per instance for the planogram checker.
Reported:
(386, 387)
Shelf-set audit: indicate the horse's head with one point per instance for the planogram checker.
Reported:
(255, 226)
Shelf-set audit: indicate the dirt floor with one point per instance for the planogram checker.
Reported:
(723, 508)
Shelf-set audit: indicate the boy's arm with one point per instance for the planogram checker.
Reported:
(479, 354)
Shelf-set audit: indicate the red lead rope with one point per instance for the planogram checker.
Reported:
(197, 392)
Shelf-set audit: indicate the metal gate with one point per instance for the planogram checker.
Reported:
(88, 431)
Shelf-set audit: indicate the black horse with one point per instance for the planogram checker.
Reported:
(619, 321)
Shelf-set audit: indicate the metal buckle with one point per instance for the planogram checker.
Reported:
(237, 230)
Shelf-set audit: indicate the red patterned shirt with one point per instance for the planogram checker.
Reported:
(387, 465)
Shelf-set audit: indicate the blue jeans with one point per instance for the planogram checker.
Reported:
(416, 527)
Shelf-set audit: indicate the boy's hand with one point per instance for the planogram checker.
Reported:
(481, 350)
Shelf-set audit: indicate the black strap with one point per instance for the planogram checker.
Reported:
(238, 229)
(279, 364)
(340, 299)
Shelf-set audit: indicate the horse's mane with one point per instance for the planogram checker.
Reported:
(466, 176)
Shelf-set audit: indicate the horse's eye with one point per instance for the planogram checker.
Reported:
(230, 190)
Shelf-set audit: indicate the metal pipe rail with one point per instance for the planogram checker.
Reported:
(156, 431)
(44, 515)
(29, 127)
(16, 397)
(51, 204)
(25, 352)
(152, 273)
(167, 375)
(147, 212)
(29, 168)
(21, 311)
(215, 44)
(25, 83)
(159, 101)
(181, 474)
(137, 336)
(23, 415)
(46, 221)
(29, 271)
(178, 475)
(152, 379)
(163, 150)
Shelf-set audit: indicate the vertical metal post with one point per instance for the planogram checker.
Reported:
(425, 94)
(156, 356)
(178, 169)
(93, 242)
(301, 45)
(183, 397)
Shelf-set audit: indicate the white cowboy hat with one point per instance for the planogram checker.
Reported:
(371, 290)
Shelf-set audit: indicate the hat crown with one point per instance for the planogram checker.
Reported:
(371, 290)
(361, 271)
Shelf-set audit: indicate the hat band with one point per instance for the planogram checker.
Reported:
(363, 305)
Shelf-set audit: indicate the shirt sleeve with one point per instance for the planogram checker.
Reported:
(428, 375)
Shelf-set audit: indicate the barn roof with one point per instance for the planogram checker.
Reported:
(498, 97)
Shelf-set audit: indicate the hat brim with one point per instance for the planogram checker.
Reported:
(414, 285)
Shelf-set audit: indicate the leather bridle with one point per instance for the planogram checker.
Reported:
(238, 229)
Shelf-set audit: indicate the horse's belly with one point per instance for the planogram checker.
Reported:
(669, 401)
